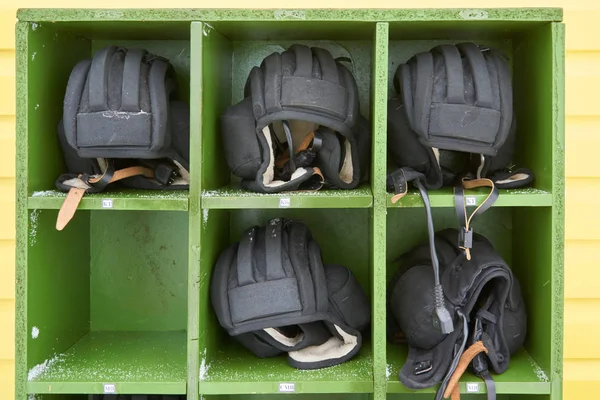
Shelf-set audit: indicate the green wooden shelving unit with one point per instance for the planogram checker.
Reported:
(119, 300)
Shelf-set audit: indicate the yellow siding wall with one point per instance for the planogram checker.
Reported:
(582, 273)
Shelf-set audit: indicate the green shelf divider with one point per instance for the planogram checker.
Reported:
(125, 199)
(524, 376)
(135, 362)
(445, 198)
(232, 197)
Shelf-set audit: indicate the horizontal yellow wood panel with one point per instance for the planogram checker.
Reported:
(577, 91)
(581, 370)
(578, 23)
(7, 379)
(7, 333)
(581, 377)
(7, 274)
(582, 328)
(7, 27)
(7, 209)
(582, 144)
(582, 275)
(7, 62)
(7, 154)
(7, 100)
(581, 214)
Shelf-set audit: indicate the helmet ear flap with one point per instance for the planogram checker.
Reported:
(405, 148)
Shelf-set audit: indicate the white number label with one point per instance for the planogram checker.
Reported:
(110, 388)
(471, 201)
(107, 203)
(472, 387)
(287, 387)
(283, 203)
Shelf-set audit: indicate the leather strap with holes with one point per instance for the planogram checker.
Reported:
(69, 206)
(466, 358)
(465, 222)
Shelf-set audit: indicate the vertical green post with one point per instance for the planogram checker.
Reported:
(194, 210)
(21, 214)
(378, 177)
(558, 190)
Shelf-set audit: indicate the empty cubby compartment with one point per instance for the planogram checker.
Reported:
(229, 51)
(228, 368)
(522, 236)
(531, 49)
(107, 302)
(53, 49)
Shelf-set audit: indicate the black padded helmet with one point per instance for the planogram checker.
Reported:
(481, 294)
(271, 292)
(454, 118)
(298, 124)
(122, 125)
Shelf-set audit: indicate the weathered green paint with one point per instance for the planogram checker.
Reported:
(234, 370)
(234, 197)
(528, 197)
(122, 199)
(135, 362)
(195, 222)
(522, 376)
(58, 286)
(367, 15)
(378, 214)
(123, 312)
(142, 290)
(22, 214)
(557, 247)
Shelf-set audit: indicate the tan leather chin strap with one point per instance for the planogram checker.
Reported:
(465, 359)
(69, 206)
(67, 210)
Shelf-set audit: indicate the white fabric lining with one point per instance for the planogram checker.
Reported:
(269, 174)
(347, 168)
(334, 348)
(436, 153)
(185, 175)
(513, 178)
(284, 340)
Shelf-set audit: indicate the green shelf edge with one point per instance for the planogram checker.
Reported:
(530, 377)
(507, 198)
(239, 372)
(174, 200)
(234, 198)
(547, 14)
(116, 352)
(91, 387)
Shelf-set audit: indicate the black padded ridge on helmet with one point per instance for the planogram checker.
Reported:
(273, 276)
(483, 289)
(458, 97)
(119, 104)
(304, 83)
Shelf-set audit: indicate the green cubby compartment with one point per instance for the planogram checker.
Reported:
(52, 50)
(532, 48)
(523, 238)
(227, 53)
(107, 302)
(227, 368)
